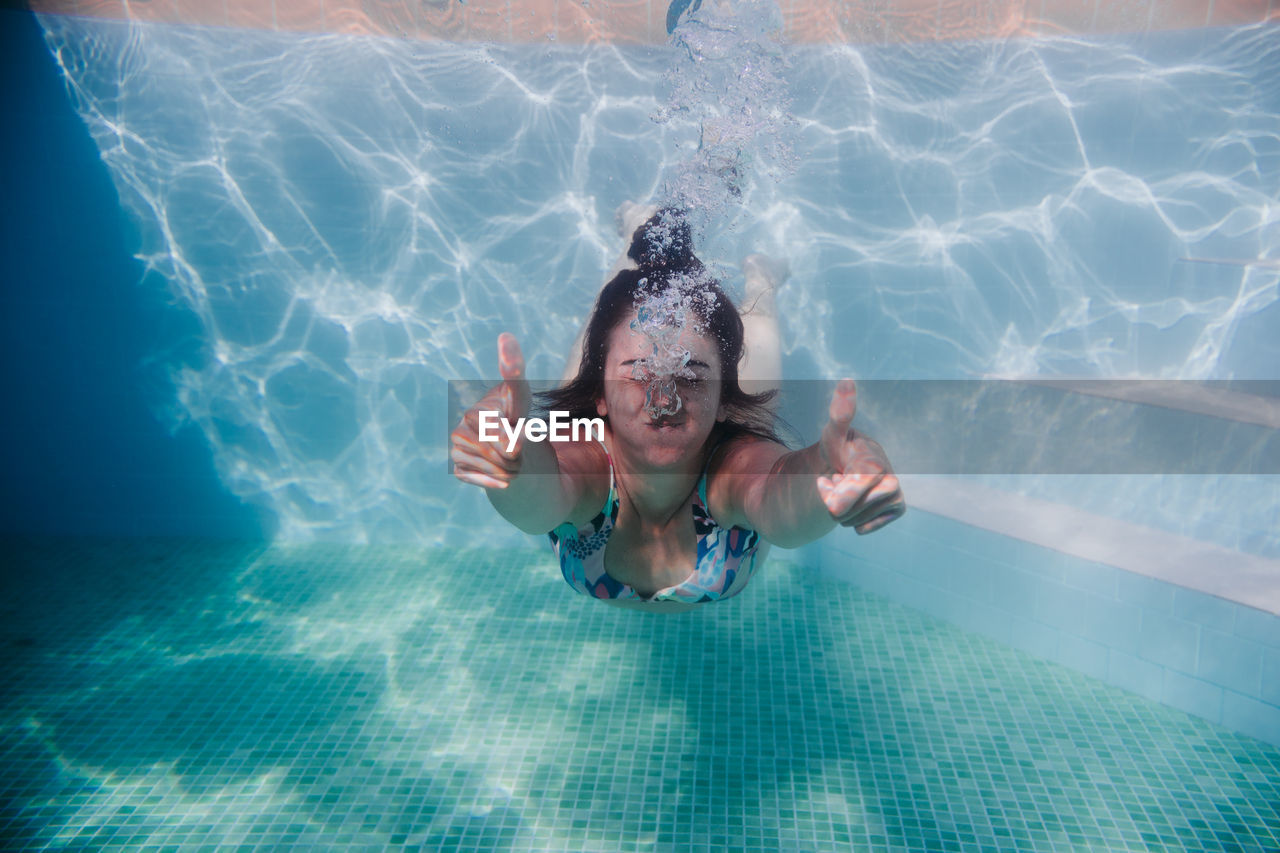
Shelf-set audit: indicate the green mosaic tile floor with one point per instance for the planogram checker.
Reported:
(177, 694)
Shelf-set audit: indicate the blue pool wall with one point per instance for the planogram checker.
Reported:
(1209, 656)
(81, 445)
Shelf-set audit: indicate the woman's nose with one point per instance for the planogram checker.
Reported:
(662, 398)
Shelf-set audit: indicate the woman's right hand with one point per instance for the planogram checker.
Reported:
(489, 463)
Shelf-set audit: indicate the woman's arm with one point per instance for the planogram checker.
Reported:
(770, 490)
(793, 498)
(555, 483)
(534, 485)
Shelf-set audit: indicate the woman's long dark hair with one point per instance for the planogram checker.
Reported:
(663, 248)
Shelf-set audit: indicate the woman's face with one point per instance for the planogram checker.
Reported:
(636, 401)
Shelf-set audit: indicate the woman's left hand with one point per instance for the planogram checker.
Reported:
(862, 492)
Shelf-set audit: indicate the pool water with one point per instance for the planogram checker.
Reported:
(316, 231)
(182, 693)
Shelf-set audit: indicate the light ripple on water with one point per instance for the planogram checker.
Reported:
(183, 692)
(354, 219)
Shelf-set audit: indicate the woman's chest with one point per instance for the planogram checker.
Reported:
(648, 558)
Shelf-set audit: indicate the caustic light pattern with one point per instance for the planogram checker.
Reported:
(354, 219)
(190, 694)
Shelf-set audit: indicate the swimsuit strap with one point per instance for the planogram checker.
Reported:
(610, 505)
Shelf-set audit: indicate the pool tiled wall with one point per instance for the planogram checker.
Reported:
(1206, 655)
(644, 21)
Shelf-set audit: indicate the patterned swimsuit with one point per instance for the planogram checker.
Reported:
(723, 553)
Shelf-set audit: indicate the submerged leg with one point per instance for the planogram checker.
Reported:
(761, 368)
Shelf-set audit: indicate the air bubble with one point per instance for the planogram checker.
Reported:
(663, 314)
(730, 84)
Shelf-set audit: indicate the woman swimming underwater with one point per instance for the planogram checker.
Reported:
(679, 503)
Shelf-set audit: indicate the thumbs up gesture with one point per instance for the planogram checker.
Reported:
(862, 491)
(490, 463)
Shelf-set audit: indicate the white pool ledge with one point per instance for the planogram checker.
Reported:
(1191, 563)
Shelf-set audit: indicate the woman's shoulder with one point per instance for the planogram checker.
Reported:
(730, 453)
(584, 466)
(738, 463)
